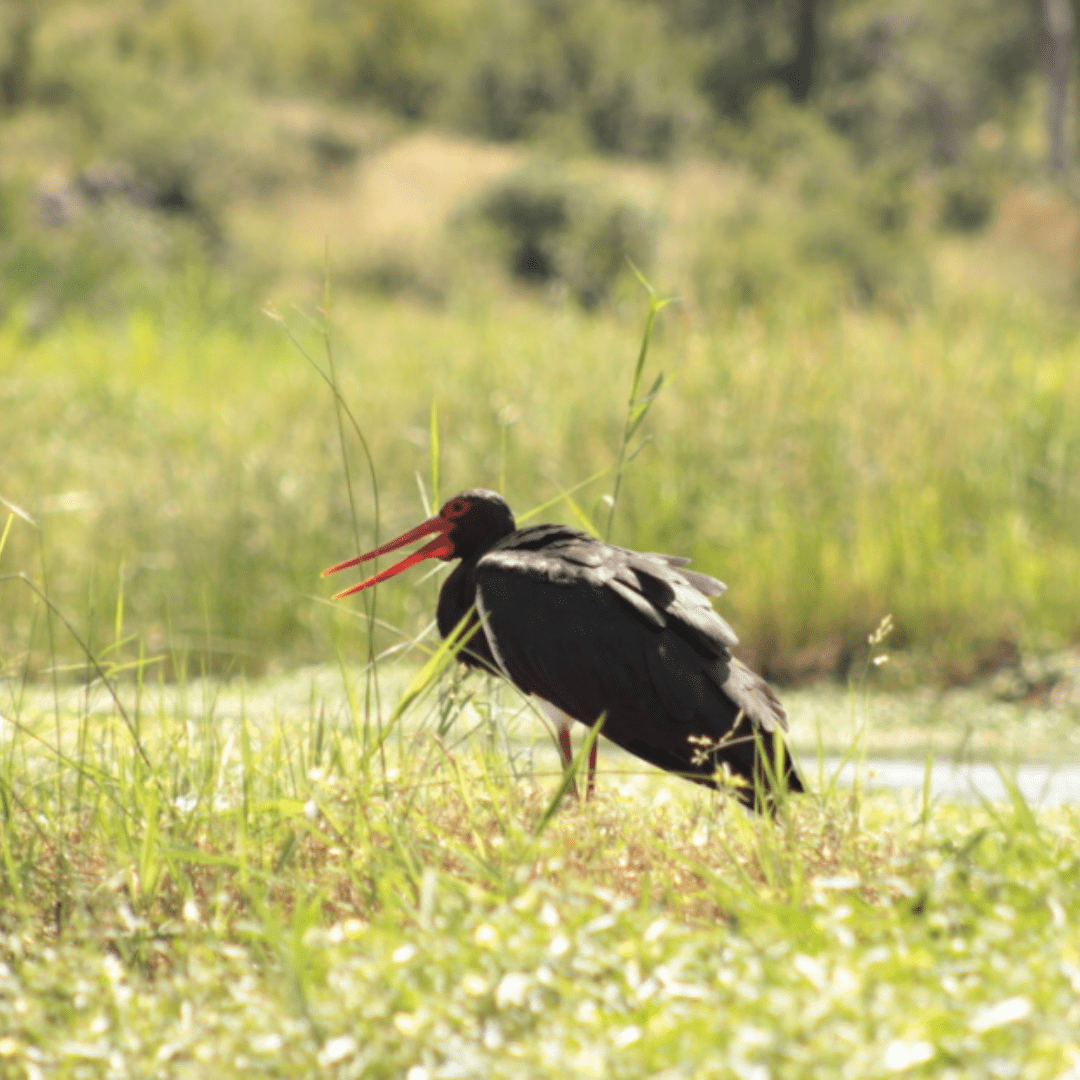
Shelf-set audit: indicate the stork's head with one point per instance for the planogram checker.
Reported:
(468, 523)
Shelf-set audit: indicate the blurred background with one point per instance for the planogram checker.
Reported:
(866, 209)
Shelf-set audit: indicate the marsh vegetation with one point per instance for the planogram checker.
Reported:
(212, 854)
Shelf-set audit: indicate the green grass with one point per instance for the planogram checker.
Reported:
(368, 871)
(860, 416)
(832, 467)
(332, 875)
(269, 892)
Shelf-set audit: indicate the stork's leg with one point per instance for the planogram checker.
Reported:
(566, 747)
(566, 751)
(562, 724)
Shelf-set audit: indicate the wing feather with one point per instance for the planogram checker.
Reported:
(709, 586)
(657, 587)
(650, 658)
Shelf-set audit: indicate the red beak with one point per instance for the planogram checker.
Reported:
(440, 548)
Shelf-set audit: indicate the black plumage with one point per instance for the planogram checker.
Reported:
(593, 628)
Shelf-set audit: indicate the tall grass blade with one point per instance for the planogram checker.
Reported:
(636, 408)
(563, 494)
(372, 698)
(924, 814)
(18, 511)
(1021, 809)
(92, 661)
(433, 449)
(583, 519)
(7, 529)
(118, 618)
(430, 673)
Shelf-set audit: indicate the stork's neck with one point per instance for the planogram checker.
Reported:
(456, 599)
(457, 595)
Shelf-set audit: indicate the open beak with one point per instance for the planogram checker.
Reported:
(440, 548)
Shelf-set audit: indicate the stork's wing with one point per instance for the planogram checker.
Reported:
(709, 586)
(596, 629)
(655, 586)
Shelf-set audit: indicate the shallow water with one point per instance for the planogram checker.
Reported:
(1040, 785)
(894, 730)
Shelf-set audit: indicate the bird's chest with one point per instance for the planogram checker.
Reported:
(457, 599)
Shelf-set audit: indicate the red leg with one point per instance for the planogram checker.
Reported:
(590, 783)
(566, 749)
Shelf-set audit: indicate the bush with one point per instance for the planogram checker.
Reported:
(925, 78)
(765, 253)
(822, 228)
(548, 230)
(967, 202)
(395, 53)
(65, 252)
(152, 166)
(394, 272)
(633, 115)
(603, 72)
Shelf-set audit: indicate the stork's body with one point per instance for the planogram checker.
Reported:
(592, 629)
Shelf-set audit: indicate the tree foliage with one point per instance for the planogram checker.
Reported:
(634, 77)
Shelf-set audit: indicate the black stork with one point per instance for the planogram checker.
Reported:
(589, 629)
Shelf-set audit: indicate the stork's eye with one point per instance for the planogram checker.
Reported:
(455, 508)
